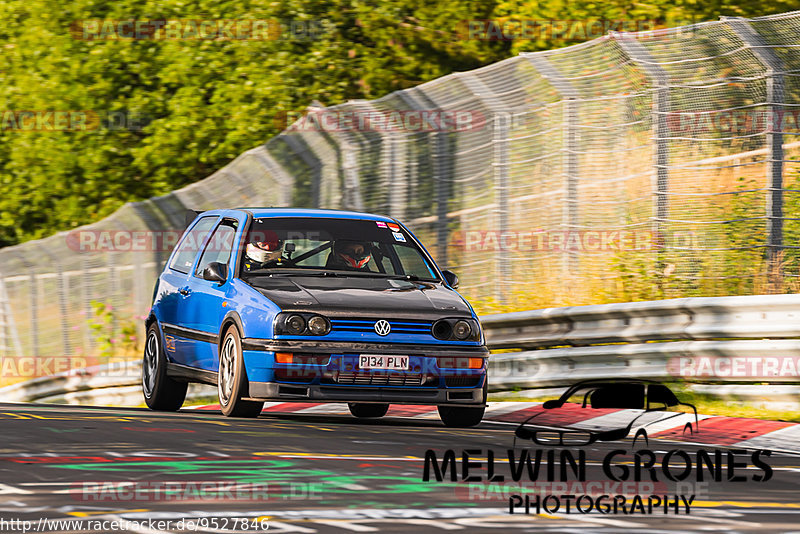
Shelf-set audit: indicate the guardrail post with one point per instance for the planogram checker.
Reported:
(570, 218)
(775, 101)
(661, 106)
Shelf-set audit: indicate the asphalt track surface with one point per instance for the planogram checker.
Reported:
(320, 473)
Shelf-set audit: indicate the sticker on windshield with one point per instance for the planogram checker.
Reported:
(393, 227)
(380, 224)
(399, 237)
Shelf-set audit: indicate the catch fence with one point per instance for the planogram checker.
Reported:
(631, 167)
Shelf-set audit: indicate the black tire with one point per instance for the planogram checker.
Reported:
(160, 391)
(367, 410)
(232, 379)
(461, 417)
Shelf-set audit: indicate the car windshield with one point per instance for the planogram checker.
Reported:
(334, 246)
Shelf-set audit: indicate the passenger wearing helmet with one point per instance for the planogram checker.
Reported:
(353, 255)
(265, 251)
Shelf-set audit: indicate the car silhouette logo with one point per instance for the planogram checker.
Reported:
(382, 327)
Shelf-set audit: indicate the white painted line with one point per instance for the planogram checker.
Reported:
(496, 409)
(9, 490)
(785, 438)
(328, 408)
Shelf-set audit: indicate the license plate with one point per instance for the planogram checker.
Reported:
(376, 361)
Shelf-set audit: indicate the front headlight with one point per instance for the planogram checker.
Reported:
(295, 324)
(462, 330)
(456, 329)
(319, 325)
(302, 324)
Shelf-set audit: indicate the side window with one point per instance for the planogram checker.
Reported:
(219, 246)
(190, 245)
(413, 262)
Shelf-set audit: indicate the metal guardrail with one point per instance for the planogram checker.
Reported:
(559, 346)
(659, 340)
(117, 384)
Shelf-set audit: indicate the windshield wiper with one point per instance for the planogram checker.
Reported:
(409, 277)
(293, 272)
(322, 273)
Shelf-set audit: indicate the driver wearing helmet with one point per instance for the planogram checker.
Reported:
(265, 251)
(352, 255)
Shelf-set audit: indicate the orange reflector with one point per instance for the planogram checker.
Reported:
(459, 363)
(283, 357)
(475, 363)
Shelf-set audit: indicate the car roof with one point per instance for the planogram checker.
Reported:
(314, 212)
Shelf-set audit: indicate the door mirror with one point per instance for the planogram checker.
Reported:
(552, 403)
(216, 272)
(451, 278)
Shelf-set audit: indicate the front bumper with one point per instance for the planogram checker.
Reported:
(315, 393)
(338, 378)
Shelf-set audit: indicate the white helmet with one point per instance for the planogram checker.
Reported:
(270, 249)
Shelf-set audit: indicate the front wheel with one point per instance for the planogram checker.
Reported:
(232, 379)
(460, 417)
(160, 391)
(368, 410)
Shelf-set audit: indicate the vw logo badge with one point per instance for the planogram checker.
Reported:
(382, 327)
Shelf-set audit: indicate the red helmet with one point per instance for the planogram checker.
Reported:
(353, 254)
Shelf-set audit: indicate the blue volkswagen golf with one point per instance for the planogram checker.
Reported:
(279, 304)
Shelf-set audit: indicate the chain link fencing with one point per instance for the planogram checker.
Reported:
(632, 167)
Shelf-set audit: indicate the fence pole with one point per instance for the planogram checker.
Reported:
(775, 101)
(441, 180)
(11, 341)
(62, 308)
(659, 78)
(352, 182)
(86, 304)
(501, 128)
(570, 219)
(394, 174)
(284, 179)
(302, 150)
(34, 293)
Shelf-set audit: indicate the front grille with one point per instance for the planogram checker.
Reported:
(368, 325)
(375, 379)
(462, 381)
(299, 376)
